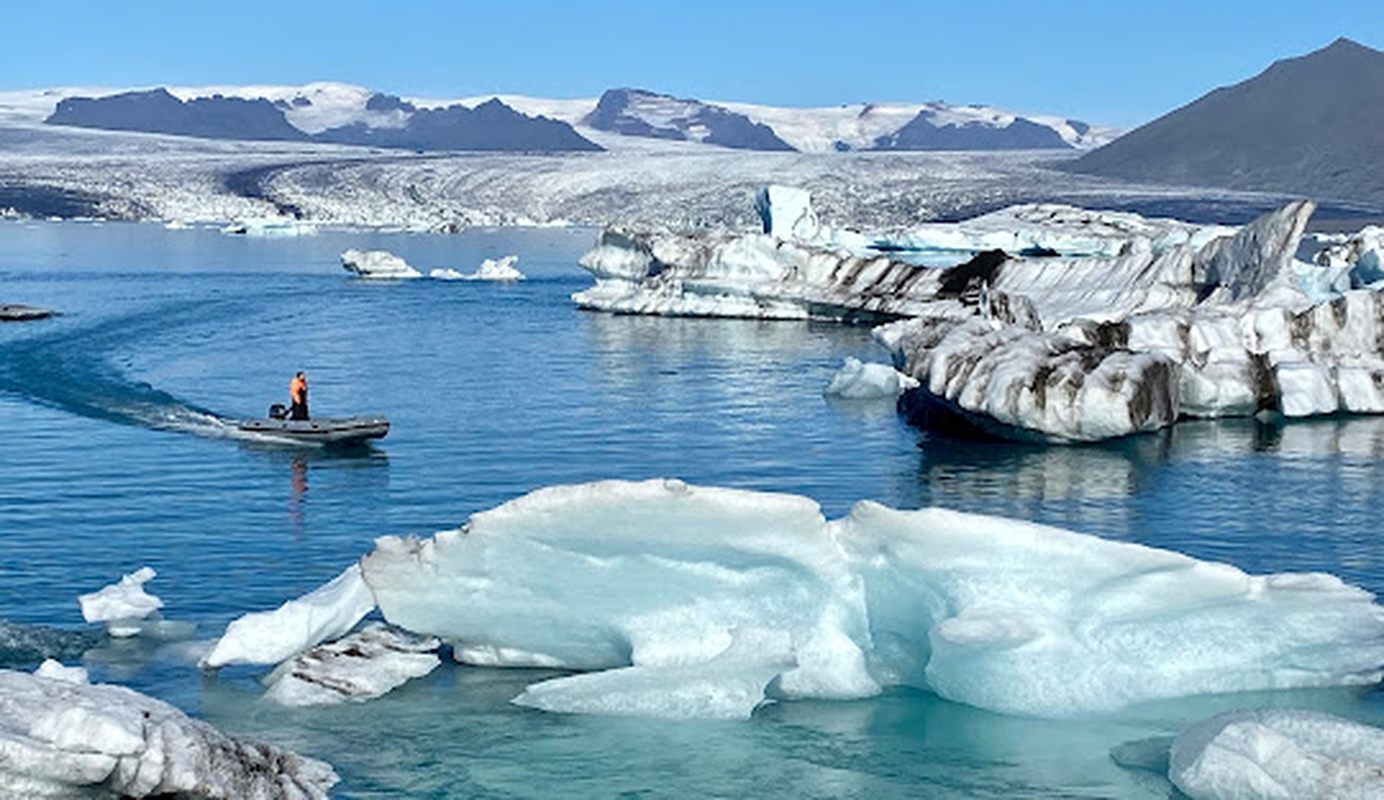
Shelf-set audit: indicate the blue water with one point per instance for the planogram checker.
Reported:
(109, 464)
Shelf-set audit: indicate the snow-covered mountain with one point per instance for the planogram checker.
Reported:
(635, 112)
(622, 118)
(381, 121)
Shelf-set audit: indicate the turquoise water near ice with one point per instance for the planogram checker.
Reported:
(494, 390)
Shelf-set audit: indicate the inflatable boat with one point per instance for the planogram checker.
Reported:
(338, 431)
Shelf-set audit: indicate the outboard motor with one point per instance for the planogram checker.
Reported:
(277, 411)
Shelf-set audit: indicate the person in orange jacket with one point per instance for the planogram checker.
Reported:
(298, 397)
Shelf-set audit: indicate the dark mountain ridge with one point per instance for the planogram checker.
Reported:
(490, 126)
(1311, 125)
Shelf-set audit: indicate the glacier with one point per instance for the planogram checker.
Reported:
(61, 737)
(1066, 325)
(677, 601)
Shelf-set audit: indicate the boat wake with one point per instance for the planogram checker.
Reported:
(72, 370)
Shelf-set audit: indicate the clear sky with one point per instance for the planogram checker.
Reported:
(1101, 61)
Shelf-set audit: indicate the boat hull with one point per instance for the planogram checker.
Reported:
(322, 430)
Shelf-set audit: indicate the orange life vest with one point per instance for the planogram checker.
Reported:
(297, 389)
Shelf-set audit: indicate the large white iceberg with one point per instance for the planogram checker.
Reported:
(1278, 754)
(62, 738)
(658, 584)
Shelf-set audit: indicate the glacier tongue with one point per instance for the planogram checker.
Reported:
(663, 586)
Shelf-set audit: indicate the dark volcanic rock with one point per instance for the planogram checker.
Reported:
(922, 133)
(1312, 126)
(492, 125)
(635, 112)
(157, 111)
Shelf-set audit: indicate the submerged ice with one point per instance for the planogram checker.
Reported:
(677, 600)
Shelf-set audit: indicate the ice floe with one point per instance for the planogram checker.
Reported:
(1065, 324)
(122, 606)
(269, 637)
(655, 587)
(491, 269)
(1278, 754)
(857, 380)
(377, 264)
(366, 664)
(60, 738)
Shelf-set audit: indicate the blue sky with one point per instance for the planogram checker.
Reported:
(1109, 62)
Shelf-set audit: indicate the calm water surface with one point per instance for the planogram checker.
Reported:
(110, 463)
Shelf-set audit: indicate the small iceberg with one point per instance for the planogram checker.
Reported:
(491, 269)
(122, 606)
(377, 264)
(857, 380)
(1278, 754)
(364, 665)
(270, 226)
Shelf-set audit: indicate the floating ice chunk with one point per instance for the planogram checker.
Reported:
(860, 381)
(727, 686)
(614, 574)
(377, 264)
(122, 605)
(269, 637)
(1029, 619)
(55, 671)
(269, 226)
(655, 579)
(60, 739)
(367, 664)
(1279, 754)
(491, 269)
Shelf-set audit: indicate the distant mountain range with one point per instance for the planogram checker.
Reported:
(491, 125)
(340, 114)
(1312, 126)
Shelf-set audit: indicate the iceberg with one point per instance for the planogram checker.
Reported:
(61, 738)
(1278, 754)
(491, 269)
(364, 665)
(1066, 325)
(857, 380)
(377, 264)
(121, 606)
(680, 600)
(269, 637)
